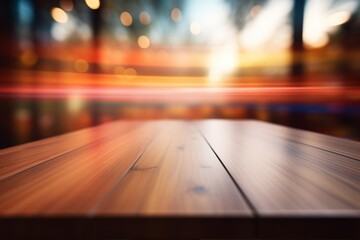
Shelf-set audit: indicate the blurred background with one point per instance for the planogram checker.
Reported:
(71, 64)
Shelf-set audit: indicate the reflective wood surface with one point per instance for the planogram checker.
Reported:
(212, 178)
(283, 177)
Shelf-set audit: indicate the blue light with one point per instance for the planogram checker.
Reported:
(25, 10)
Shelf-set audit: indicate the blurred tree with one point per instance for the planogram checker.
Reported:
(297, 46)
(96, 24)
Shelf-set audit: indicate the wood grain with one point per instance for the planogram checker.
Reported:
(333, 144)
(282, 177)
(74, 182)
(177, 174)
(16, 159)
(168, 179)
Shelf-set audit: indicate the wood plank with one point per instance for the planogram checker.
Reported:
(161, 179)
(19, 158)
(341, 146)
(73, 183)
(178, 174)
(282, 177)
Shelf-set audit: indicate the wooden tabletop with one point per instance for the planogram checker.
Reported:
(187, 179)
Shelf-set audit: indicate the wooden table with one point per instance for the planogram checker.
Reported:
(197, 179)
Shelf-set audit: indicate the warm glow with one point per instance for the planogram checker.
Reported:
(81, 65)
(93, 4)
(319, 41)
(176, 15)
(162, 55)
(67, 5)
(59, 15)
(315, 29)
(144, 18)
(321, 21)
(268, 25)
(255, 10)
(223, 62)
(215, 75)
(130, 73)
(143, 41)
(119, 70)
(28, 58)
(339, 18)
(126, 19)
(75, 102)
(195, 28)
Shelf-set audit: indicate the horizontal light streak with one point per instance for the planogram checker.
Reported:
(78, 80)
(194, 95)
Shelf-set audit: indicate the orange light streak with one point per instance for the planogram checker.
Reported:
(190, 95)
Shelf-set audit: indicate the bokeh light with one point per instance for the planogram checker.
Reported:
(67, 5)
(339, 18)
(176, 15)
(145, 18)
(143, 41)
(81, 65)
(126, 19)
(130, 73)
(59, 15)
(119, 70)
(195, 28)
(255, 11)
(141, 45)
(28, 58)
(93, 4)
(323, 19)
